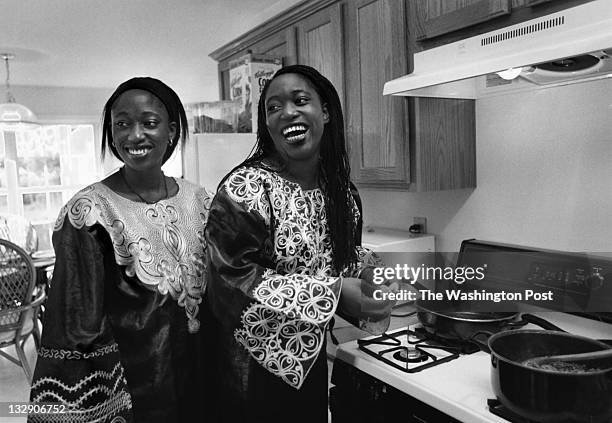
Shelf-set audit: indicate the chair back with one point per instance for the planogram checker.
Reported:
(17, 281)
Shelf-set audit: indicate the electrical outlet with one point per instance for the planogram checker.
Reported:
(422, 221)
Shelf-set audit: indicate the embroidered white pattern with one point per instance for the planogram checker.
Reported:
(284, 330)
(366, 258)
(285, 346)
(105, 389)
(76, 355)
(152, 241)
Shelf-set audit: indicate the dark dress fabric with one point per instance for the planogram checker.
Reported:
(120, 340)
(272, 292)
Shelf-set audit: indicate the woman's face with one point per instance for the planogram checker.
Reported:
(141, 129)
(295, 117)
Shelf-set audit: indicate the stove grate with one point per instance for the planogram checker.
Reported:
(416, 339)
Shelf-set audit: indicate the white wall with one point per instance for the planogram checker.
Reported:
(544, 176)
(57, 103)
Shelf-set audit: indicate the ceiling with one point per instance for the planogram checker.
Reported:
(100, 43)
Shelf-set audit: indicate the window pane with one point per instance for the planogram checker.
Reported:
(35, 206)
(38, 160)
(3, 204)
(38, 171)
(56, 201)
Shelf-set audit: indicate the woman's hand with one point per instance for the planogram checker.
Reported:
(359, 299)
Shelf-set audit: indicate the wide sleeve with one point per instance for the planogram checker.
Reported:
(79, 361)
(279, 318)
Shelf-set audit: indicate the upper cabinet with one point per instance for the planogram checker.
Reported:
(442, 21)
(377, 125)
(320, 44)
(443, 16)
(393, 142)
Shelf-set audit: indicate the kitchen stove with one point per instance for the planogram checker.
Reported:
(414, 349)
(430, 380)
(455, 387)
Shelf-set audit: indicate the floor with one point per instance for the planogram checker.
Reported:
(13, 383)
(15, 388)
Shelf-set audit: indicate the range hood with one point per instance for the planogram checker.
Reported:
(573, 45)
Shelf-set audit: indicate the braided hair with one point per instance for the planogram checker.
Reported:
(334, 168)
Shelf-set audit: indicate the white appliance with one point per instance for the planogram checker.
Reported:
(392, 240)
(396, 247)
(468, 68)
(207, 158)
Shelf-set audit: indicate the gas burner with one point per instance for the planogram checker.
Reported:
(408, 350)
(410, 354)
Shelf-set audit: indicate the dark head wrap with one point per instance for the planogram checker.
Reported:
(174, 107)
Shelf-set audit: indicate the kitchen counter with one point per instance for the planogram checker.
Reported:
(459, 388)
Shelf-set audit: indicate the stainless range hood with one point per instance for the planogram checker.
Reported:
(573, 45)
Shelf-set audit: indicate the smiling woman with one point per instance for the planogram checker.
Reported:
(119, 337)
(284, 255)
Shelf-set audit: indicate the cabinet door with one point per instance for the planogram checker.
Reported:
(319, 40)
(281, 44)
(439, 17)
(443, 143)
(377, 126)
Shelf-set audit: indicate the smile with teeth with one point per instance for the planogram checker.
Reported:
(295, 133)
(137, 151)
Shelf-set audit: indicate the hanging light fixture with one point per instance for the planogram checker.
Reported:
(14, 116)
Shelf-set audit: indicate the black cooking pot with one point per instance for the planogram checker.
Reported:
(549, 395)
(447, 320)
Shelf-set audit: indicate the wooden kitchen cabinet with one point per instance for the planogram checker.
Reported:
(280, 44)
(437, 22)
(320, 44)
(276, 37)
(439, 17)
(377, 125)
(419, 144)
(442, 144)
(393, 142)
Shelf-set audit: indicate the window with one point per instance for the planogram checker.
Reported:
(41, 169)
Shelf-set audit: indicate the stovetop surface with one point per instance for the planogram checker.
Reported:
(461, 386)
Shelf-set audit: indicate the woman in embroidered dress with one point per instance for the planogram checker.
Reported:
(283, 253)
(119, 340)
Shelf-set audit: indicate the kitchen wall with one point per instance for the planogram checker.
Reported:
(57, 103)
(544, 176)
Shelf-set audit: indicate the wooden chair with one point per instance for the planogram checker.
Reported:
(18, 302)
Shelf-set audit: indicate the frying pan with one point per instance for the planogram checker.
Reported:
(448, 319)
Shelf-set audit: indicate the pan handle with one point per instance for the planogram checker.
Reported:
(530, 318)
(483, 345)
